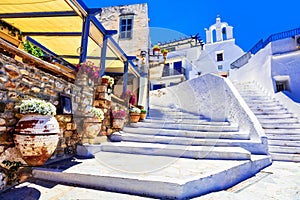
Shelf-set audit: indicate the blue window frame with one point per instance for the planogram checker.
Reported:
(126, 26)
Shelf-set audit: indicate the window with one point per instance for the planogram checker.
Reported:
(282, 86)
(220, 57)
(126, 23)
(166, 71)
(220, 67)
(178, 68)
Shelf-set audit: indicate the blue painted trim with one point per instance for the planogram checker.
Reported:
(98, 25)
(118, 47)
(84, 39)
(45, 49)
(38, 14)
(103, 57)
(125, 77)
(82, 4)
(52, 33)
(94, 11)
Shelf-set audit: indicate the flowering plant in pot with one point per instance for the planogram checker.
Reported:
(143, 114)
(88, 68)
(118, 116)
(134, 114)
(108, 79)
(36, 106)
(92, 125)
(36, 133)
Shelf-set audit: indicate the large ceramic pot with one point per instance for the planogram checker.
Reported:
(36, 138)
(91, 127)
(118, 122)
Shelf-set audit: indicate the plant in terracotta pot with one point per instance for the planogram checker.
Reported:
(118, 116)
(92, 124)
(143, 114)
(134, 114)
(36, 133)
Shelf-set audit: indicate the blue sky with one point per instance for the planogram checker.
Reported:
(252, 20)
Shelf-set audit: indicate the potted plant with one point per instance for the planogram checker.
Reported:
(143, 114)
(107, 80)
(36, 133)
(118, 116)
(156, 49)
(134, 114)
(92, 124)
(89, 70)
(164, 52)
(32, 49)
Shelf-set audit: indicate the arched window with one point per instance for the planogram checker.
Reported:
(214, 35)
(224, 33)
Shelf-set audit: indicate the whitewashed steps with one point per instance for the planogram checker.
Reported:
(270, 112)
(185, 121)
(283, 131)
(285, 143)
(283, 137)
(179, 151)
(274, 116)
(129, 137)
(281, 149)
(188, 133)
(281, 126)
(290, 157)
(279, 120)
(193, 127)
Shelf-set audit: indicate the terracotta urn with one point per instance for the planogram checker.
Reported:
(134, 117)
(36, 138)
(118, 122)
(91, 128)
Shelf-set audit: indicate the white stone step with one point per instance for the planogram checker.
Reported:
(265, 108)
(286, 150)
(275, 116)
(179, 126)
(257, 98)
(158, 177)
(260, 103)
(281, 126)
(187, 133)
(285, 157)
(174, 117)
(179, 140)
(283, 137)
(283, 131)
(285, 143)
(271, 112)
(279, 121)
(185, 121)
(193, 152)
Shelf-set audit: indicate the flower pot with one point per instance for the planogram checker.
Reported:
(134, 117)
(36, 138)
(143, 116)
(104, 81)
(91, 127)
(118, 122)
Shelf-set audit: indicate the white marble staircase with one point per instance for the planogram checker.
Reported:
(281, 126)
(171, 132)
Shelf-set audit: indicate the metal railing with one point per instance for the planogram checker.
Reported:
(261, 44)
(241, 61)
(277, 36)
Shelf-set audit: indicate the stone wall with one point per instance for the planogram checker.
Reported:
(21, 81)
(110, 19)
